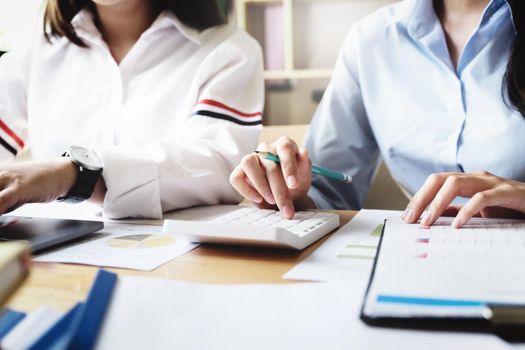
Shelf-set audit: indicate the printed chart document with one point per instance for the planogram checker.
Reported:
(140, 247)
(147, 313)
(441, 271)
(348, 254)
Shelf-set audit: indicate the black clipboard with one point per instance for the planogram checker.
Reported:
(508, 322)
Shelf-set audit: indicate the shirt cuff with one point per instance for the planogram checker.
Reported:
(132, 183)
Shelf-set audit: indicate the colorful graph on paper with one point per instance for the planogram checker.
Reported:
(349, 253)
(426, 267)
(364, 248)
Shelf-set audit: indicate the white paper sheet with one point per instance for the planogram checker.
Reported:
(349, 254)
(140, 247)
(161, 314)
(443, 271)
(30, 329)
(92, 212)
(80, 211)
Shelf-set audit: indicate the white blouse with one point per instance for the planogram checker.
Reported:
(170, 122)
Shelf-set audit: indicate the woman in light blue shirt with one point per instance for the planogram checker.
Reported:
(432, 87)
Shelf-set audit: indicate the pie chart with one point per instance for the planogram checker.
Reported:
(143, 241)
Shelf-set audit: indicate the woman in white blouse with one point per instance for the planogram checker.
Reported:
(162, 96)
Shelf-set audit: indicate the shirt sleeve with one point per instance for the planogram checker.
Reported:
(194, 170)
(14, 73)
(340, 137)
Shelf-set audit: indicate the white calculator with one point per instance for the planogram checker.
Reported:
(232, 224)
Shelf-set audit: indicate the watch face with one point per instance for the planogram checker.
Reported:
(85, 157)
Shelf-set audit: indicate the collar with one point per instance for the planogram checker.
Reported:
(85, 26)
(492, 8)
(421, 16)
(168, 19)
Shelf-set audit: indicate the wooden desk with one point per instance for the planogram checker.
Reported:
(60, 286)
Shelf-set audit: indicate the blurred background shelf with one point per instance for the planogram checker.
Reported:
(301, 40)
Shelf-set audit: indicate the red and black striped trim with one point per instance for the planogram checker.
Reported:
(233, 110)
(7, 146)
(226, 117)
(218, 110)
(12, 138)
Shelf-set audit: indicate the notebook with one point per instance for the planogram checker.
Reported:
(14, 266)
(441, 277)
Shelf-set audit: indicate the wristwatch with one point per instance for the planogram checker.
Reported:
(89, 170)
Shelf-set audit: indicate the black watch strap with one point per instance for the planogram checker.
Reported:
(84, 185)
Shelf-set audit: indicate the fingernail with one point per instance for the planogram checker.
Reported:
(288, 212)
(408, 215)
(425, 218)
(292, 181)
(269, 198)
(458, 222)
(255, 199)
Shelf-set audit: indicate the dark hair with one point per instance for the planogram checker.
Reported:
(514, 78)
(198, 14)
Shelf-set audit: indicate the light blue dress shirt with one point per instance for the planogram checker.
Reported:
(395, 94)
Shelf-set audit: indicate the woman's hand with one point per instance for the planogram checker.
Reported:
(35, 182)
(266, 183)
(490, 196)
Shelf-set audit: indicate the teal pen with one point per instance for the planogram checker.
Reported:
(315, 169)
